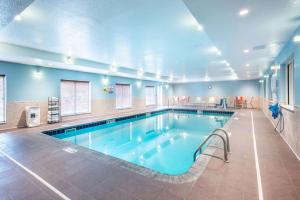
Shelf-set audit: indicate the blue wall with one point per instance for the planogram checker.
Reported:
(219, 88)
(24, 85)
(290, 49)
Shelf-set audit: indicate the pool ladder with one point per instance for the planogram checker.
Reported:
(225, 141)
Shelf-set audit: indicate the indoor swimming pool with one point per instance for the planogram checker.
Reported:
(162, 141)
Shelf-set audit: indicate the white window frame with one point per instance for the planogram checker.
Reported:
(120, 107)
(89, 96)
(290, 83)
(4, 99)
(150, 100)
(159, 94)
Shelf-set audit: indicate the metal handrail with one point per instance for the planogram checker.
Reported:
(70, 129)
(203, 143)
(227, 137)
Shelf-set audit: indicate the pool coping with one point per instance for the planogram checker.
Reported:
(194, 172)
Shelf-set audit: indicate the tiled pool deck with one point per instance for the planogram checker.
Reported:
(86, 175)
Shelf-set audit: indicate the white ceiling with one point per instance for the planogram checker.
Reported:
(269, 22)
(9, 8)
(157, 35)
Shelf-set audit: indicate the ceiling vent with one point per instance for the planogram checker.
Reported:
(259, 47)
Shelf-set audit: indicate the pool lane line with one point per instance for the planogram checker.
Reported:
(258, 177)
(48, 185)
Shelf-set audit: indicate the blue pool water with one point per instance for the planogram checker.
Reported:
(163, 142)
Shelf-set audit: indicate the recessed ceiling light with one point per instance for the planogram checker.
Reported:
(215, 50)
(206, 78)
(138, 84)
(244, 12)
(275, 67)
(157, 76)
(246, 51)
(274, 45)
(247, 65)
(234, 76)
(200, 27)
(18, 18)
(296, 38)
(140, 72)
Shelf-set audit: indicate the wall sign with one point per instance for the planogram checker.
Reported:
(109, 89)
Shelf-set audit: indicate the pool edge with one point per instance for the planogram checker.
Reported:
(194, 172)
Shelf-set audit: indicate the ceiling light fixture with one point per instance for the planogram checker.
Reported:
(274, 45)
(206, 78)
(18, 18)
(243, 12)
(227, 64)
(140, 72)
(200, 27)
(216, 50)
(68, 60)
(266, 76)
(105, 80)
(275, 67)
(247, 65)
(246, 51)
(296, 38)
(139, 84)
(158, 75)
(234, 76)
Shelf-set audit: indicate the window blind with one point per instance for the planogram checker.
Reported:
(150, 95)
(2, 99)
(123, 96)
(75, 97)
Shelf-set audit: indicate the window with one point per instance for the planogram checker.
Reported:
(75, 97)
(150, 95)
(2, 99)
(290, 83)
(123, 96)
(160, 95)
